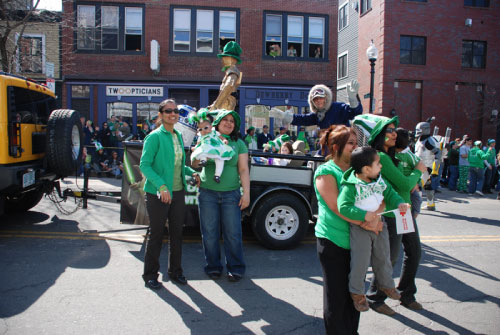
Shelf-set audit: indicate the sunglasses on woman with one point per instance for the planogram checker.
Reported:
(169, 111)
(204, 128)
(390, 130)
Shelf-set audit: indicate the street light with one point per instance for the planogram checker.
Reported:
(372, 54)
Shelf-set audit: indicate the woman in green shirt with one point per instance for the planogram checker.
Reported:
(383, 138)
(163, 163)
(332, 232)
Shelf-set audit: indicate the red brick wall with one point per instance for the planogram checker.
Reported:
(443, 23)
(189, 68)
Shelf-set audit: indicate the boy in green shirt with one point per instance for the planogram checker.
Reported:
(363, 198)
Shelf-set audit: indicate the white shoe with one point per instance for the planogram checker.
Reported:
(480, 193)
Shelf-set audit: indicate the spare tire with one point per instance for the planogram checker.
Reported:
(64, 142)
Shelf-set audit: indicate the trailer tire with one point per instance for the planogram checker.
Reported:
(280, 221)
(23, 202)
(64, 142)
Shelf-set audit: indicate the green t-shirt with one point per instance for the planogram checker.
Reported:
(329, 225)
(178, 149)
(407, 161)
(230, 178)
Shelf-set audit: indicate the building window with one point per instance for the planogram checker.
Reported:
(182, 29)
(113, 29)
(343, 13)
(204, 30)
(86, 27)
(227, 28)
(342, 66)
(295, 36)
(474, 54)
(213, 28)
(366, 5)
(412, 50)
(109, 31)
(477, 3)
(133, 29)
(31, 53)
(305, 36)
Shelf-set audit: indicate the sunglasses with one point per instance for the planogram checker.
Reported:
(169, 111)
(204, 128)
(390, 130)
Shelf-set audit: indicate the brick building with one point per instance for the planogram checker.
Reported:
(435, 58)
(108, 55)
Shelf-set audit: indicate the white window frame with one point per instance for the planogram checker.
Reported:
(281, 30)
(18, 53)
(125, 26)
(226, 12)
(346, 54)
(189, 29)
(302, 19)
(201, 30)
(346, 6)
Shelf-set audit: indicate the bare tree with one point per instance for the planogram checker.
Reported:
(15, 15)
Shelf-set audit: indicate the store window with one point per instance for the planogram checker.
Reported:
(474, 54)
(30, 58)
(213, 28)
(80, 99)
(145, 112)
(299, 43)
(412, 50)
(114, 29)
(122, 111)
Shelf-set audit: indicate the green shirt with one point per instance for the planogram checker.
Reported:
(477, 157)
(407, 161)
(401, 183)
(230, 177)
(179, 153)
(329, 225)
(158, 159)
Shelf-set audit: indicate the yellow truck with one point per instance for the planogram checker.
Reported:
(38, 143)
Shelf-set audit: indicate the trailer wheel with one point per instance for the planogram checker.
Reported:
(280, 221)
(64, 142)
(23, 202)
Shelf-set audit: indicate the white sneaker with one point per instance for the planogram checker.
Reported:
(480, 193)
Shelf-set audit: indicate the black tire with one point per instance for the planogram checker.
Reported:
(23, 202)
(280, 221)
(64, 142)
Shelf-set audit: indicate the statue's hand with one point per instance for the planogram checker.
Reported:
(352, 92)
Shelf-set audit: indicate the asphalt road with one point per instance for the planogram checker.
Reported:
(80, 274)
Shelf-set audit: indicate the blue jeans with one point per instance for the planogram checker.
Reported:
(488, 176)
(220, 210)
(452, 180)
(476, 178)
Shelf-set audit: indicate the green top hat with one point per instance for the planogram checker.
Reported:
(222, 113)
(232, 49)
(371, 125)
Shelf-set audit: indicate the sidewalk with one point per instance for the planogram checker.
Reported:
(96, 184)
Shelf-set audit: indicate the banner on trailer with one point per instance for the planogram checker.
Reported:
(133, 204)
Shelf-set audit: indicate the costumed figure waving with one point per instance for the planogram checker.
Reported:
(211, 146)
(428, 149)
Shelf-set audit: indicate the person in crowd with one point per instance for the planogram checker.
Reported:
(163, 163)
(364, 197)
(143, 132)
(88, 132)
(291, 52)
(115, 165)
(275, 145)
(407, 163)
(286, 149)
(478, 159)
(453, 158)
(99, 160)
(96, 136)
(105, 135)
(86, 162)
(332, 232)
(82, 119)
(490, 170)
(317, 52)
(325, 112)
(302, 136)
(274, 50)
(251, 139)
(264, 137)
(220, 204)
(382, 137)
(211, 145)
(463, 164)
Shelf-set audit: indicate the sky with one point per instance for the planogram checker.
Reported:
(50, 5)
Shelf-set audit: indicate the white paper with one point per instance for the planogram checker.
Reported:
(404, 222)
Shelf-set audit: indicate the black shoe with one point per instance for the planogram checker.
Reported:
(153, 284)
(217, 179)
(179, 279)
(214, 275)
(233, 277)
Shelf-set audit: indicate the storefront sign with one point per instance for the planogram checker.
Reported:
(134, 91)
(276, 95)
